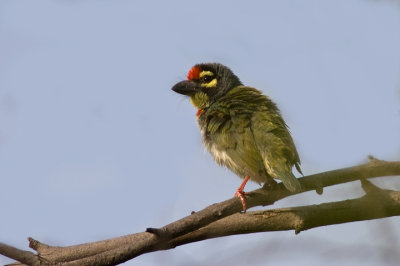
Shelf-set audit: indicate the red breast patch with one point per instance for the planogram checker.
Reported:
(199, 112)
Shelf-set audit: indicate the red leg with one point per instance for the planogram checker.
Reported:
(240, 193)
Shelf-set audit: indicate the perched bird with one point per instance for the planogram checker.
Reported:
(241, 127)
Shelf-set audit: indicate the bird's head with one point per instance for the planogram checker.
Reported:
(206, 83)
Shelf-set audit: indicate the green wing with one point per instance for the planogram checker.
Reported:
(245, 132)
(232, 144)
(276, 147)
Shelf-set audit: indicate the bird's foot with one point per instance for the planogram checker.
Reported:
(240, 193)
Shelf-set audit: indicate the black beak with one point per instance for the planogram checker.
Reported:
(185, 87)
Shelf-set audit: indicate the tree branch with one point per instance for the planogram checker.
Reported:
(218, 220)
(23, 256)
(377, 203)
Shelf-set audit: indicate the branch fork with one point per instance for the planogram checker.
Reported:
(224, 218)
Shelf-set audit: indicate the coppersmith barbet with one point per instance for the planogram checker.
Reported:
(241, 127)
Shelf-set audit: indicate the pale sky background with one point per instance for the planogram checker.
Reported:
(95, 145)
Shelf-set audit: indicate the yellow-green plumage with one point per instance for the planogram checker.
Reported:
(242, 128)
(244, 131)
(200, 100)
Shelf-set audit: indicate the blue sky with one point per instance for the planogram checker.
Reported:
(94, 144)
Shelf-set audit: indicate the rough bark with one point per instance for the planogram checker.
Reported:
(223, 219)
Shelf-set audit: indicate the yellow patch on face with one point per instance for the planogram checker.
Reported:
(200, 100)
(212, 83)
(203, 77)
(206, 73)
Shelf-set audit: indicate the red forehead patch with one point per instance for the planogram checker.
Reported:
(194, 73)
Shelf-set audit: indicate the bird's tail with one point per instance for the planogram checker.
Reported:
(290, 182)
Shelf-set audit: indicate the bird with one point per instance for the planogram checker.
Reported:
(241, 127)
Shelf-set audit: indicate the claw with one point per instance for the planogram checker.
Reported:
(240, 193)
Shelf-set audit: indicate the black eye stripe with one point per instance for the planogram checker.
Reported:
(206, 79)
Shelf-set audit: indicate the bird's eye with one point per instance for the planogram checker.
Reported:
(206, 79)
